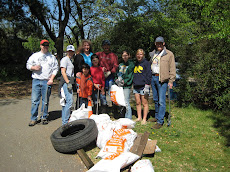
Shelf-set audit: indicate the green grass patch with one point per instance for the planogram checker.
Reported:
(194, 141)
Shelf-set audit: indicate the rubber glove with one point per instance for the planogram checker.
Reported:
(147, 89)
(69, 86)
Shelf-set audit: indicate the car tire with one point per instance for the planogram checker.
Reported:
(74, 135)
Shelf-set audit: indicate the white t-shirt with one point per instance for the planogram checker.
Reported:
(68, 65)
(155, 66)
(48, 63)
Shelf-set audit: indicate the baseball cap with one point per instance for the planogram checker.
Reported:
(70, 48)
(106, 42)
(44, 41)
(159, 39)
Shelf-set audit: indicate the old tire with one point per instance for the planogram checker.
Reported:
(74, 135)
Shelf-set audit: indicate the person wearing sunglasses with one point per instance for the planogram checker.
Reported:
(44, 67)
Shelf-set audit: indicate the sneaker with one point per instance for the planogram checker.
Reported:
(152, 120)
(157, 126)
(44, 121)
(32, 123)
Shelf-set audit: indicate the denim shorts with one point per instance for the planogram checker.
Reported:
(139, 91)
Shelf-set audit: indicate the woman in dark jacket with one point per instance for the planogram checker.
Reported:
(83, 55)
(141, 84)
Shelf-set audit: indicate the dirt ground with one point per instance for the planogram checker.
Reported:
(19, 89)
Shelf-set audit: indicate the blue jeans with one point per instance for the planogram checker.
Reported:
(128, 113)
(159, 96)
(101, 97)
(69, 102)
(40, 89)
(109, 81)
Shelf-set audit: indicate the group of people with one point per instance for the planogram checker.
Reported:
(93, 75)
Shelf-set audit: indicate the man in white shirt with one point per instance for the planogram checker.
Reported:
(44, 67)
(163, 75)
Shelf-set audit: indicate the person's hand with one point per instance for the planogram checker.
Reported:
(78, 91)
(50, 82)
(117, 81)
(103, 91)
(170, 85)
(107, 74)
(120, 83)
(97, 86)
(147, 89)
(69, 86)
(89, 98)
(104, 69)
(78, 74)
(36, 67)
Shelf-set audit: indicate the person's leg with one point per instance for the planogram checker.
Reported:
(77, 104)
(46, 92)
(162, 102)
(155, 91)
(128, 113)
(138, 106)
(95, 100)
(85, 100)
(68, 105)
(103, 99)
(35, 99)
(80, 101)
(144, 100)
(94, 96)
(103, 103)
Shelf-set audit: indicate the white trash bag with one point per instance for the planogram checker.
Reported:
(142, 165)
(117, 95)
(80, 113)
(116, 164)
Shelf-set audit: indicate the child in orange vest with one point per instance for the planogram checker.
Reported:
(85, 83)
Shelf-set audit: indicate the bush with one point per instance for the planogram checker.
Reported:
(210, 71)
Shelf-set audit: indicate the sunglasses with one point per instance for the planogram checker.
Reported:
(45, 45)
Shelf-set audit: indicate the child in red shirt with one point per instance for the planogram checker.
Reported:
(99, 83)
(85, 83)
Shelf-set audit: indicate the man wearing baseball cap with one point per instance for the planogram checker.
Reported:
(44, 67)
(163, 75)
(109, 63)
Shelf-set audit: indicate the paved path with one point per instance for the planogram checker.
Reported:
(24, 148)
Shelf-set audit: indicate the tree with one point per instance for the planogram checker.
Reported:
(205, 58)
(40, 11)
(15, 27)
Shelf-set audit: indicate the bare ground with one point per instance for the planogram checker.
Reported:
(19, 89)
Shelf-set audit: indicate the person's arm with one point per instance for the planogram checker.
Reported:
(90, 86)
(172, 71)
(128, 77)
(51, 80)
(114, 63)
(103, 80)
(30, 64)
(63, 72)
(54, 73)
(148, 73)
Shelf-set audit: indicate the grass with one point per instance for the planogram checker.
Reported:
(193, 142)
(197, 140)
